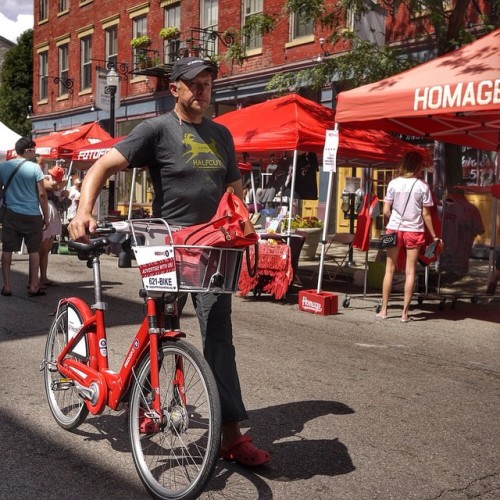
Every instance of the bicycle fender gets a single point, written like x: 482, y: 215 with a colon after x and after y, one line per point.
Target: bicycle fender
x: 81, y: 305
x: 172, y: 335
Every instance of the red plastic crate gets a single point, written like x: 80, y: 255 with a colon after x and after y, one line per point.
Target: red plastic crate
x: 322, y: 303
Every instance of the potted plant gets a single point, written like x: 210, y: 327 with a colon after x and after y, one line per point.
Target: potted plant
x: 170, y: 32
x: 140, y: 41
x: 310, y: 227
x: 144, y: 61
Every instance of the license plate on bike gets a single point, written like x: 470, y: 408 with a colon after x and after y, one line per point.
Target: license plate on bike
x: 157, y: 268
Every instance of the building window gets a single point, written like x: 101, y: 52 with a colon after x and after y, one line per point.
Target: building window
x: 139, y: 28
x: 172, y: 17
x: 86, y: 62
x: 111, y: 55
x: 63, y: 69
x: 253, y: 7
x: 43, y: 72
x: 43, y: 10
x: 210, y: 14
x: 301, y: 27
x: 62, y: 6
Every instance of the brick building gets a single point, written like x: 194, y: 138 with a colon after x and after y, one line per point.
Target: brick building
x: 77, y: 41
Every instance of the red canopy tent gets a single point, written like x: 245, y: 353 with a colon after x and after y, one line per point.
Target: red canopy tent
x: 454, y: 98
x: 60, y: 144
x: 83, y: 157
x: 292, y: 123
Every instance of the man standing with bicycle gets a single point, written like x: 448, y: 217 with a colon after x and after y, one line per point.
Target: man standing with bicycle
x: 191, y: 162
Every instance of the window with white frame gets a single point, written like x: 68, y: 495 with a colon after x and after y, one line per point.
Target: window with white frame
x: 253, y: 7
x: 63, y: 69
x: 139, y: 28
x: 85, y: 62
x: 43, y: 73
x: 43, y: 10
x: 301, y: 27
x: 210, y: 14
x: 209, y: 23
x: 172, y: 18
x: 111, y: 36
x: 62, y: 5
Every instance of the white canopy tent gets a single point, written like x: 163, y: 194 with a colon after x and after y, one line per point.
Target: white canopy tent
x: 8, y: 140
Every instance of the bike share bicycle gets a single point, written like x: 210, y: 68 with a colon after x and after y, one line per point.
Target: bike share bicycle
x: 174, y: 417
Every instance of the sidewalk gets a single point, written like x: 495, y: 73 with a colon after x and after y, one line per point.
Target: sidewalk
x: 350, y: 277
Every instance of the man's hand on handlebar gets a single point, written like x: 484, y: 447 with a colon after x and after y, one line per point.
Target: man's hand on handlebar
x: 81, y: 227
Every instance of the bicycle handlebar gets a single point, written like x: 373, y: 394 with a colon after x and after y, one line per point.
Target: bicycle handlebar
x: 97, y: 243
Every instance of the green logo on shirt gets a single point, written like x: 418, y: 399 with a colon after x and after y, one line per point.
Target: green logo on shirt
x: 196, y: 148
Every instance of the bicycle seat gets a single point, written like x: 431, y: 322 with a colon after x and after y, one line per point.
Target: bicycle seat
x: 95, y: 246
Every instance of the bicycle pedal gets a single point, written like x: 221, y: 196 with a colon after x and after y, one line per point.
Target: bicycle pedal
x: 63, y: 384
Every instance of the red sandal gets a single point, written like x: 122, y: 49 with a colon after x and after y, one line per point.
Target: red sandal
x: 243, y: 452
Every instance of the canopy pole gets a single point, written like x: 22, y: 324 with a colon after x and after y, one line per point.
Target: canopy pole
x: 132, y: 187
x: 292, y: 191
x: 326, y: 222
x: 68, y: 182
x: 325, y: 230
x: 254, y: 192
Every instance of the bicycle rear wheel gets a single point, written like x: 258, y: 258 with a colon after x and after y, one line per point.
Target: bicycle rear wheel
x: 67, y: 407
x: 176, y: 458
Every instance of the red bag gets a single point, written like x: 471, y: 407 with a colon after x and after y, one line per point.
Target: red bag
x: 229, y: 227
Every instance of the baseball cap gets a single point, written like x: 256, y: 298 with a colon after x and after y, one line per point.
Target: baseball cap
x: 57, y: 173
x: 189, y: 67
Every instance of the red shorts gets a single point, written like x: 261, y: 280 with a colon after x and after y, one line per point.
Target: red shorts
x: 408, y: 239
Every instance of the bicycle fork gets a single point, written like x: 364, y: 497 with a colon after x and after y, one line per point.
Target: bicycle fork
x: 171, y: 330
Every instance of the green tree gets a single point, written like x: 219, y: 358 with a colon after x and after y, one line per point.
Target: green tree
x: 368, y: 62
x: 16, y: 84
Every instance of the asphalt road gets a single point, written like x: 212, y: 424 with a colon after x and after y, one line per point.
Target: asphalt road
x: 349, y: 407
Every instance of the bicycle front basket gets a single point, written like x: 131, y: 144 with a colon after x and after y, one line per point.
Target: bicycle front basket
x: 208, y: 269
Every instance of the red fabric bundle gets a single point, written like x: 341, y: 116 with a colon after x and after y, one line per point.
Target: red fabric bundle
x: 229, y: 227
x: 274, y: 271
x: 361, y: 239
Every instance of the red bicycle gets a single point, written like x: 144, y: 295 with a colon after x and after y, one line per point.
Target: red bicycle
x: 174, y: 417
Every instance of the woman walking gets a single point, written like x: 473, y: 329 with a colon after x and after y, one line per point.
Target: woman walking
x: 406, y: 206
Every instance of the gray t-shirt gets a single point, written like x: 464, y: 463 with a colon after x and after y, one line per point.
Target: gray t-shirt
x: 189, y: 164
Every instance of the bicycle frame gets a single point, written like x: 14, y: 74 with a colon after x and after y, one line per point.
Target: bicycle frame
x: 100, y: 386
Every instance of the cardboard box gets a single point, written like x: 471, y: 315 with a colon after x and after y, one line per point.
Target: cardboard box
x: 322, y: 303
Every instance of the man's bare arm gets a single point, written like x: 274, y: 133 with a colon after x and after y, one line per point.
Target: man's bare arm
x: 108, y: 165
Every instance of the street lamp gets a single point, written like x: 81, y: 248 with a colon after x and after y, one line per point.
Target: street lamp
x: 112, y: 80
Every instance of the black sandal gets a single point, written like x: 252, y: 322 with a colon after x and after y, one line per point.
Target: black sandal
x: 5, y: 293
x: 38, y: 293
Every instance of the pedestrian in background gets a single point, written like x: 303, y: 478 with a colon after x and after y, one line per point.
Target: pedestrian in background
x: 74, y: 198
x: 406, y: 207
x: 25, y: 197
x: 54, y: 184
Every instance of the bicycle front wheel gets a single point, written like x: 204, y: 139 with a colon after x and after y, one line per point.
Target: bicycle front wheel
x: 67, y: 407
x: 175, y: 454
